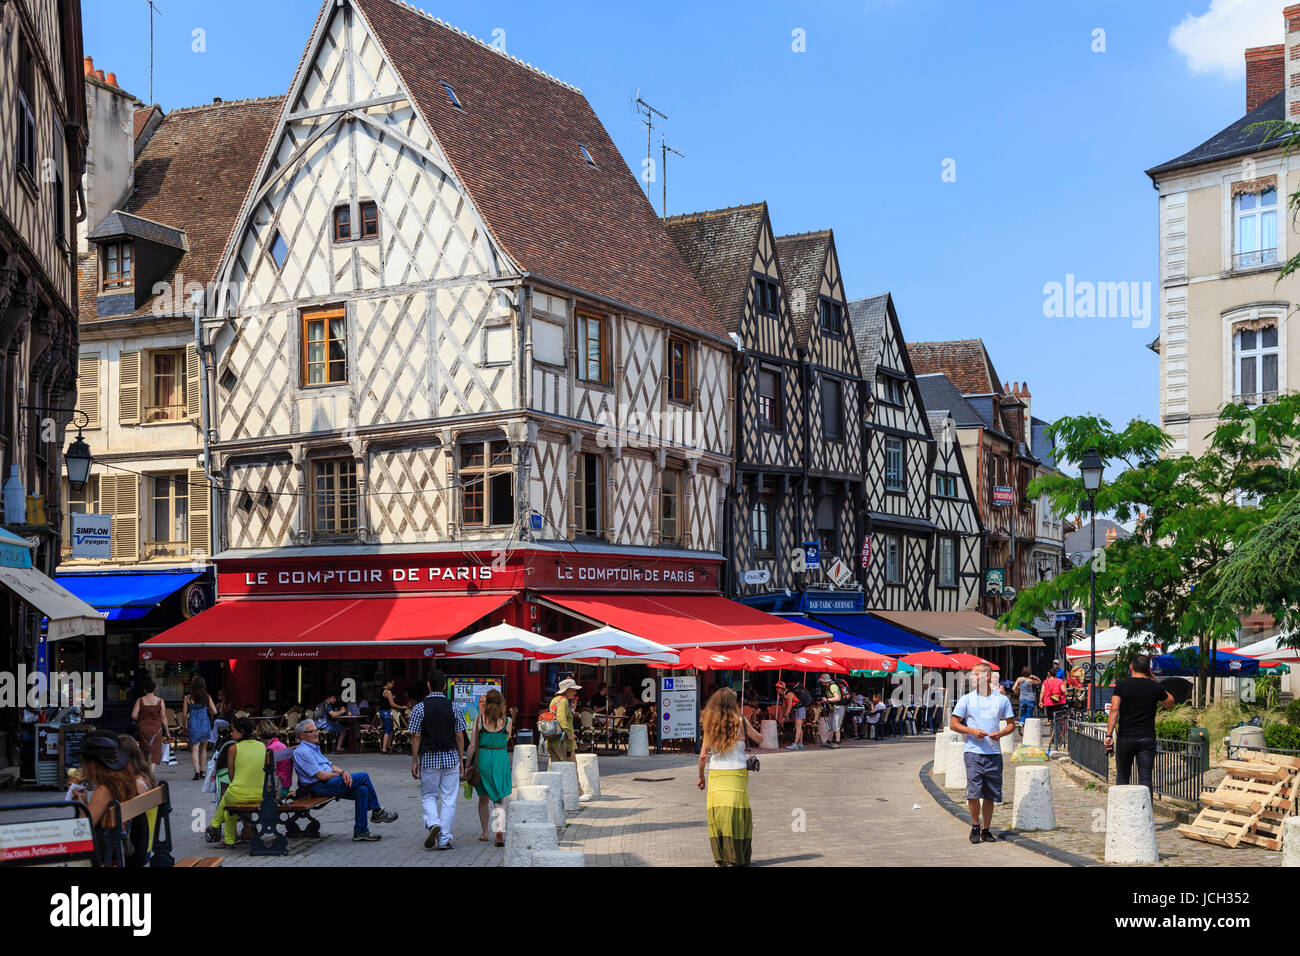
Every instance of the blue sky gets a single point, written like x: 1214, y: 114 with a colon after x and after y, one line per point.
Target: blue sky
x: 1048, y: 138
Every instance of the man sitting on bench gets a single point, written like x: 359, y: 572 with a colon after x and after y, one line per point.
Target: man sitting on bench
x: 317, y: 777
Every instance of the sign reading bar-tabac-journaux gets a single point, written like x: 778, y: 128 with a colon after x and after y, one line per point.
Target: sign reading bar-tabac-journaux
x: 463, y: 571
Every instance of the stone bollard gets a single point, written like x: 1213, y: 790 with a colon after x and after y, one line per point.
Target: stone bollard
x: 519, y: 812
x: 949, y: 742
x: 638, y: 741
x: 1291, y: 841
x: 524, y: 840
x: 568, y: 771
x: 523, y: 764
x: 559, y: 858
x: 770, y: 739
x: 1034, y: 809
x: 1008, y: 744
x: 552, y: 779
x: 1033, y: 736
x: 954, y: 776
x: 547, y: 795
x: 1130, y: 826
x: 589, y: 775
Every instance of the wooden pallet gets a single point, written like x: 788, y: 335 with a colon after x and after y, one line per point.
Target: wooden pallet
x: 1250, y: 804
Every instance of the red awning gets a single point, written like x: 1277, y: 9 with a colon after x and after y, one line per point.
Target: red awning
x: 689, y: 620
x: 324, y: 629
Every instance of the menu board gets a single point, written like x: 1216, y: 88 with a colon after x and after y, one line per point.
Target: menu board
x: 467, y: 690
x: 58, y: 748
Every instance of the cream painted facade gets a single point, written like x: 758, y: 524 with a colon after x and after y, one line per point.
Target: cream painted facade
x: 1206, y: 299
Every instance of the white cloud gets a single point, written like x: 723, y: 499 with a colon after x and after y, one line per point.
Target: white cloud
x: 1216, y: 41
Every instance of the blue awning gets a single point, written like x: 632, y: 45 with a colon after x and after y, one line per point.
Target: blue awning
x: 127, y: 595
x: 864, y: 627
x: 844, y: 637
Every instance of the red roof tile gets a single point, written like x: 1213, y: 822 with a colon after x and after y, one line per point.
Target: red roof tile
x: 966, y: 362
x: 515, y: 147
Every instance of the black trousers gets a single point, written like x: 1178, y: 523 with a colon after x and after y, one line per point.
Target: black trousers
x: 1127, y: 749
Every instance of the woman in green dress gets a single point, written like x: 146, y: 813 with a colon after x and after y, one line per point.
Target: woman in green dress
x: 247, y: 763
x: 487, y: 751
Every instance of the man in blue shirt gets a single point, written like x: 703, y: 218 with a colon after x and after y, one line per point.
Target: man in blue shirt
x: 317, y: 777
x: 978, y: 715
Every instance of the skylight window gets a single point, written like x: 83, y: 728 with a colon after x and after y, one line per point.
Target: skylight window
x: 451, y: 95
x: 587, y: 156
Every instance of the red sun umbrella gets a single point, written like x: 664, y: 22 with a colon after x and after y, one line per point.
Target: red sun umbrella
x: 933, y: 660
x: 806, y: 662
x: 968, y: 661
x: 705, y: 660
x: 860, y: 658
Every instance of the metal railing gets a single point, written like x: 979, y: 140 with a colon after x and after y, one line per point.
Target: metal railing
x: 1086, y: 744
x: 1258, y: 257
x: 1180, y: 768
x: 1232, y: 749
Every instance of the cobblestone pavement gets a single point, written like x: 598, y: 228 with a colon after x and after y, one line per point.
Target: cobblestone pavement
x: 1080, y: 825
x: 861, y: 804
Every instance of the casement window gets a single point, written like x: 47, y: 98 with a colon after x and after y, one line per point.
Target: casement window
x: 1024, y: 475
x: 895, y: 478
x: 451, y: 95
x: 769, y: 398
x: 593, y: 349
x: 342, y: 223
x: 88, y: 388
x: 165, y: 386
x: 586, y: 155
x: 827, y: 509
x: 889, y: 389
x: 169, y: 515
x: 60, y: 191
x: 83, y: 502
x: 25, y: 119
x: 893, y: 559
x: 369, y: 220
x: 760, y: 524
x: 832, y: 317
x: 1254, y: 362
x: 670, y: 508
x: 324, y: 346
x: 767, y: 297
x: 334, y: 497
x: 832, y: 410
x: 679, y: 370
x: 947, y: 562
x: 587, y: 510
x: 945, y: 486
x: 487, y: 485
x: 119, y: 269
x: 1255, y: 216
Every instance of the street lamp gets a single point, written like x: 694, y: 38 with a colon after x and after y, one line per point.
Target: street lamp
x: 1091, y: 468
x: 77, y: 461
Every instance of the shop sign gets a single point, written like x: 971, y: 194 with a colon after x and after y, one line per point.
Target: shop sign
x: 91, y: 535
x: 812, y: 556
x: 468, y: 691
x: 757, y: 576
x: 1002, y: 495
x: 45, y: 839
x: 839, y: 572
x: 866, y: 551
x: 14, y: 554
x: 995, y: 580
x: 677, y: 705
x: 824, y: 603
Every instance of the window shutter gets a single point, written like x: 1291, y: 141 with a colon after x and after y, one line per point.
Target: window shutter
x: 128, y: 395
x: 193, y: 383
x: 88, y: 388
x: 199, y: 503
x: 126, y: 518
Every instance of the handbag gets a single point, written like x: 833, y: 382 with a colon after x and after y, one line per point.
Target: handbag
x: 167, y: 757
x: 472, y: 776
x: 210, y: 777
x: 751, y: 764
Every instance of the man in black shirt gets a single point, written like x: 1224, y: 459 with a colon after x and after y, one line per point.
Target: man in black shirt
x: 1133, y: 708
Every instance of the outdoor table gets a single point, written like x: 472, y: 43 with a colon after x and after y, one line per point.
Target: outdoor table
x: 354, y: 732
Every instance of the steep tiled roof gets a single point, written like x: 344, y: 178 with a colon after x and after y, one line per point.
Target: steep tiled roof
x: 939, y: 394
x: 192, y: 176
x: 965, y: 361
x: 803, y: 259
x: 140, y: 119
x: 120, y: 223
x: 868, y: 318
x: 719, y: 246
x: 1237, y: 139
x: 514, y: 144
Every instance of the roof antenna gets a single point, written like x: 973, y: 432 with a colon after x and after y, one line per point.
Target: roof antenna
x: 153, y: 8
x: 666, y: 149
x: 649, y: 112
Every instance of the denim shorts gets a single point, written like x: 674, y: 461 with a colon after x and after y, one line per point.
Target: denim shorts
x: 800, y: 713
x: 983, y: 776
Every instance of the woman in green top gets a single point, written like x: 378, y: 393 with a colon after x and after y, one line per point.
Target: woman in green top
x: 247, y: 763
x: 487, y: 751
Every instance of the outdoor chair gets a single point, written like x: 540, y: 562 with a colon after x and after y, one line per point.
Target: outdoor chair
x: 894, y: 721
x: 907, y: 721
x: 587, y: 730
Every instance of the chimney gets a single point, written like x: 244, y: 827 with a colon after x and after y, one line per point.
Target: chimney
x: 99, y: 75
x: 1111, y: 535
x: 1265, y: 73
x: 1291, y: 67
x: 111, y: 79
x: 88, y: 65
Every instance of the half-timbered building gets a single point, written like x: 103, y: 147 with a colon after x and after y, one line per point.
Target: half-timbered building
x: 958, y: 535
x: 833, y: 394
x: 460, y: 370
x: 897, y: 450
x: 733, y: 254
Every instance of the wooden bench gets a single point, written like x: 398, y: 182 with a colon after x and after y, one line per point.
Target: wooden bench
x: 266, y: 818
x: 120, y: 814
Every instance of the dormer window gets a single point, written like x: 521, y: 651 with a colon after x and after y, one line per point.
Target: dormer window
x: 587, y: 156
x: 451, y: 96
x: 832, y: 317
x: 119, y: 270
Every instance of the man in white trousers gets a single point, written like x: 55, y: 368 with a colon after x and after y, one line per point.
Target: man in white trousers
x: 437, y: 756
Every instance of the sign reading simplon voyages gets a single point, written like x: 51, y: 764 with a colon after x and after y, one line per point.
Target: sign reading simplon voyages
x: 92, y: 535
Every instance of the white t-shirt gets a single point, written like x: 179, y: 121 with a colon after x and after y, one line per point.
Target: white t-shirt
x: 733, y: 759
x: 986, y: 712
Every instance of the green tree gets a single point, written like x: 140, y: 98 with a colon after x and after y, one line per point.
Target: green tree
x: 1188, y: 518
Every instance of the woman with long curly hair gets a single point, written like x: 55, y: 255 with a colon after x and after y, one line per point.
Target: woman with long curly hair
x: 731, y: 822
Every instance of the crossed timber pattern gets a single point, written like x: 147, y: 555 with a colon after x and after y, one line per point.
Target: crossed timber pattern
x: 548, y: 485
x: 407, y: 501
x: 633, y: 501
x: 267, y: 523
